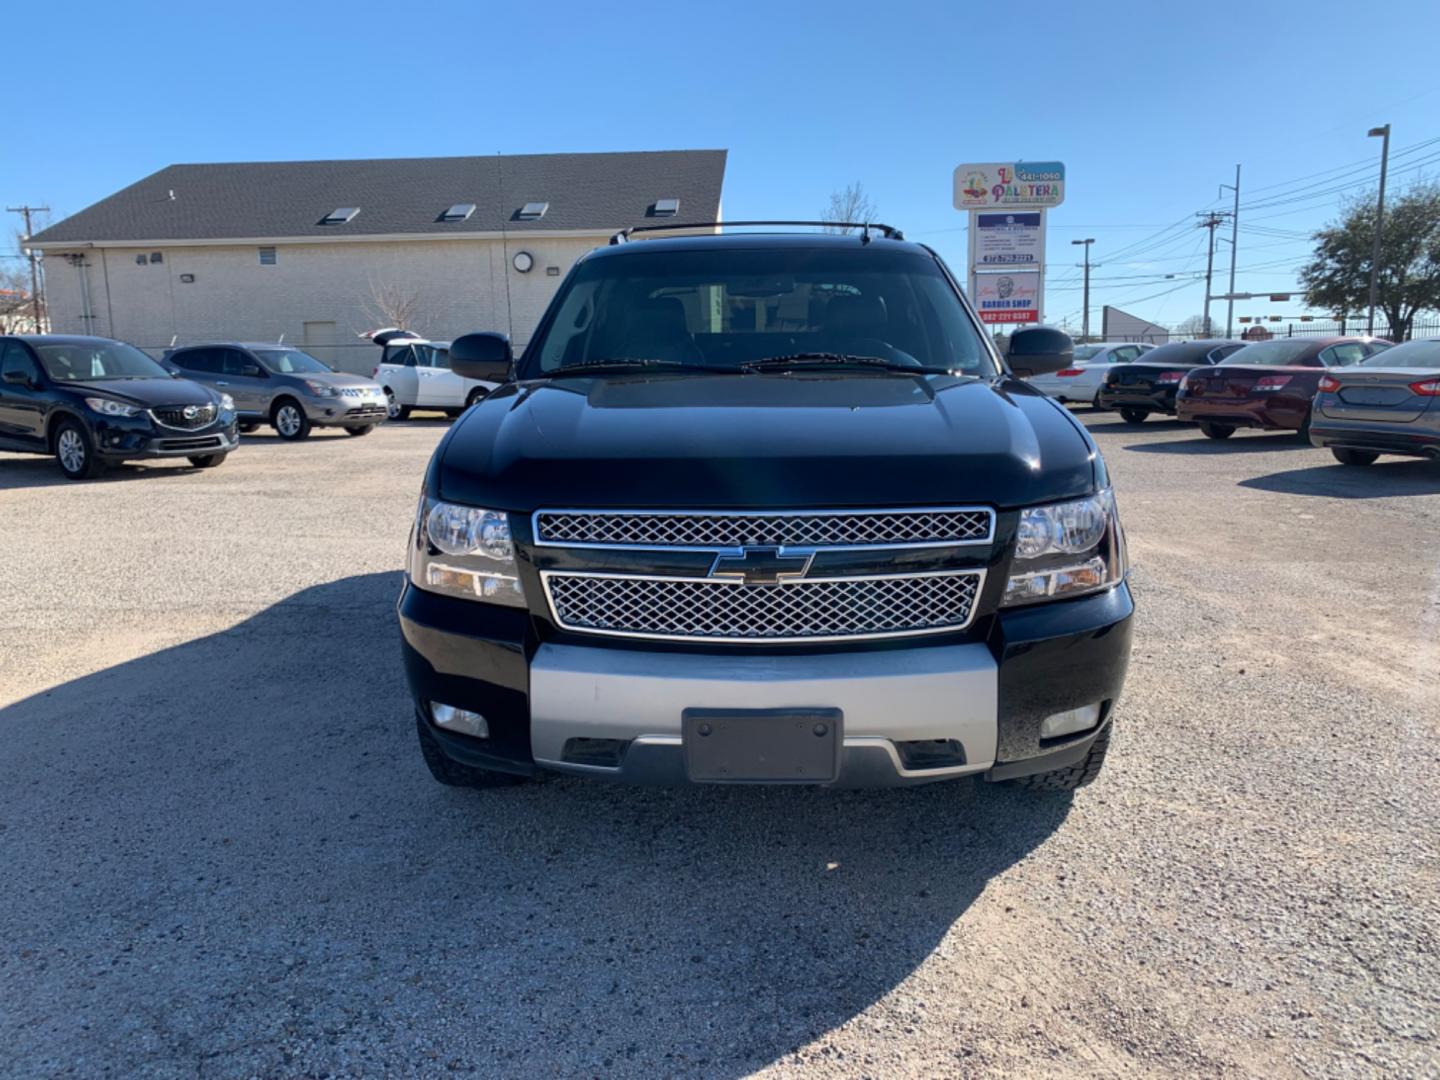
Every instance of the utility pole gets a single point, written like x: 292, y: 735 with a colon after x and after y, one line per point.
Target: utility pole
x: 1384, y: 133
x: 1209, y: 221
x: 1234, y: 247
x: 26, y: 211
x: 1085, y: 319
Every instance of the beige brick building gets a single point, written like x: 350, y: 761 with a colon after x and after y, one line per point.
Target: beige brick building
x: 256, y: 251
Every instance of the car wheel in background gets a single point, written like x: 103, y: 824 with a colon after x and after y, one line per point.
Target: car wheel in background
x: 249, y: 428
x: 1095, y: 402
x: 1134, y: 416
x: 289, y: 420
x: 394, y: 408
x: 1354, y: 457
x: 1078, y: 775
x: 207, y: 461
x: 75, y: 451
x: 478, y: 394
x: 1216, y: 431
x: 358, y: 431
x: 451, y: 772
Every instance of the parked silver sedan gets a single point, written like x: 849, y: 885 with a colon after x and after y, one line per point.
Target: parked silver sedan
x: 1383, y: 405
x: 1080, y: 383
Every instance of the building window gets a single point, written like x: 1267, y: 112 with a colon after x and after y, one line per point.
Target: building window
x: 140, y: 260
x: 156, y: 257
x: 267, y: 256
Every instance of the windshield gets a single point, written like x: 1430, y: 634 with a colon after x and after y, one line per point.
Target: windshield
x: 91, y: 360
x: 290, y: 361
x: 1269, y: 353
x: 1423, y: 354
x: 724, y: 309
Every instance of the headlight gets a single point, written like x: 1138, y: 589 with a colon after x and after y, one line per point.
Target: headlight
x: 227, y: 403
x: 1066, y: 549
x: 464, y: 551
x: 110, y: 407
x: 320, y: 389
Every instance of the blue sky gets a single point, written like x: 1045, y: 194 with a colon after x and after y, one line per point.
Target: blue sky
x: 1150, y: 106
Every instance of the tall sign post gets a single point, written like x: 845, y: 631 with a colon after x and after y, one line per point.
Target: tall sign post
x: 1007, y: 204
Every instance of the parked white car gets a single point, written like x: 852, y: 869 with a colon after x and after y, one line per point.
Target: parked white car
x: 1080, y: 382
x: 415, y: 374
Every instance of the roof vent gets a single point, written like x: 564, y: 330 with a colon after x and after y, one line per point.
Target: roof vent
x: 666, y: 207
x: 340, y: 215
x: 459, y: 212
x: 533, y: 211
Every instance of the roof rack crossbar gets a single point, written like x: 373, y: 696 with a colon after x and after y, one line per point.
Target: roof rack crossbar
x: 888, y: 231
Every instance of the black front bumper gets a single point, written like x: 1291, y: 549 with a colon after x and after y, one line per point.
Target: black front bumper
x: 121, y: 440
x: 1159, y: 399
x: 1049, y: 658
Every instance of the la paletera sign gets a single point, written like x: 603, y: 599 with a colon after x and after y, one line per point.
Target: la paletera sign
x: 1009, y: 185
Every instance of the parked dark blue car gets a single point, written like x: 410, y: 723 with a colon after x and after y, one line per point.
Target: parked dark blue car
x: 93, y: 402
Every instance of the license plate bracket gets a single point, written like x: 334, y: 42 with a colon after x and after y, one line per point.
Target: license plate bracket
x: 762, y: 746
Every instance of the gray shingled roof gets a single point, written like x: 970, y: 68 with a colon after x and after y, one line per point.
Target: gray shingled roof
x: 399, y: 195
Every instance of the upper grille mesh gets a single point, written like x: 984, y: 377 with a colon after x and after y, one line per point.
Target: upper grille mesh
x: 721, y: 611
x: 664, y: 530
x: 174, y: 416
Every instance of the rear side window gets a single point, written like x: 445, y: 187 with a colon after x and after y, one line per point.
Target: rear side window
x: 397, y: 354
x: 14, y: 357
x: 1351, y: 352
x: 1216, y: 355
x: 202, y: 360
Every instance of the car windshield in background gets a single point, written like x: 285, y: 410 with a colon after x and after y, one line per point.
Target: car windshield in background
x: 1269, y: 353
x: 290, y: 362
x: 726, y: 309
x: 1086, y: 352
x: 89, y: 361
x: 1420, y: 354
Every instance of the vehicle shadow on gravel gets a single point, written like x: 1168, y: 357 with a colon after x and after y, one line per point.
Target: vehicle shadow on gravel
x: 1387, y: 478
x: 1117, y: 427
x: 38, y: 472
x: 229, y: 855
x: 1239, y: 443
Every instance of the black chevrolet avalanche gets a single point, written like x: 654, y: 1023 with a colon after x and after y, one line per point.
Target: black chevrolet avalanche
x: 765, y: 508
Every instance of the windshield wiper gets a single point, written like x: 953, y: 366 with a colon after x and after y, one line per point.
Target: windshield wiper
x: 828, y: 359
x: 632, y: 363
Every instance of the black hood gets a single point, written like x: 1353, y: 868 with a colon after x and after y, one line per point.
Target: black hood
x: 757, y: 441
x: 146, y: 392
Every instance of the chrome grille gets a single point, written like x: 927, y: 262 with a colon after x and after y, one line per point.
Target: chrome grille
x: 173, y: 416
x: 701, y: 609
x: 822, y: 529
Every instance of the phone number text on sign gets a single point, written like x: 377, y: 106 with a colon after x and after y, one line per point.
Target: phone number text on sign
x: 1012, y: 239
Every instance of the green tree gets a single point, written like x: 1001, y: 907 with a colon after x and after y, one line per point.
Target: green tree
x: 1337, y: 278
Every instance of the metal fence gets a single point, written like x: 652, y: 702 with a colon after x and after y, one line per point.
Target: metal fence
x: 1264, y: 331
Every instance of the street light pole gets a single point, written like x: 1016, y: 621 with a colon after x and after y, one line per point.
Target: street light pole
x: 1085, y: 318
x: 1383, y: 133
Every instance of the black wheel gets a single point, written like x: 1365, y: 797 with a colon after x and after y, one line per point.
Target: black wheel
x: 207, y: 461
x: 248, y: 428
x: 289, y: 420
x: 450, y: 772
x: 1078, y: 775
x: 1216, y: 431
x: 1354, y: 457
x: 478, y: 394
x: 394, y: 408
x: 1133, y: 415
x: 75, y: 450
x: 358, y: 431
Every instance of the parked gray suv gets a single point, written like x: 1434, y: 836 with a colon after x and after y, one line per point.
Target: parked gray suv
x: 282, y: 386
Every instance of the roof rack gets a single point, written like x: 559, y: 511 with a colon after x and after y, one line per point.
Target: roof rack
x: 888, y: 231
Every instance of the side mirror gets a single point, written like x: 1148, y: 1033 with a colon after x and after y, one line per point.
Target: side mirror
x: 481, y: 356
x: 19, y: 378
x: 1039, y: 350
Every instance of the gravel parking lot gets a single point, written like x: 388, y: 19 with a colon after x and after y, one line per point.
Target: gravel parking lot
x: 222, y: 855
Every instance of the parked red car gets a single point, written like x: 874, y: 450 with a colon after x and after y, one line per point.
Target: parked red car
x: 1267, y: 384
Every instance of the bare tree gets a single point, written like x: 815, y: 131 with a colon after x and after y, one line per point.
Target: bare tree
x: 851, y: 204
x: 393, y: 305
x: 1194, y: 326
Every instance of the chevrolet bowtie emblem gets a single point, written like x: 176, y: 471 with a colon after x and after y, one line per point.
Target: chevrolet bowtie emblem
x: 762, y: 565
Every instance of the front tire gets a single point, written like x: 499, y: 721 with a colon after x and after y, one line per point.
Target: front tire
x: 75, y: 451
x: 289, y: 420
x: 394, y: 408
x: 450, y: 772
x: 207, y: 461
x: 1134, y: 416
x: 1078, y: 775
x: 358, y: 431
x: 475, y: 395
x: 1354, y: 457
x: 1215, y: 431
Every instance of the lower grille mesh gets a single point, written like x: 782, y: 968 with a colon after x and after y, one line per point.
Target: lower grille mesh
x: 702, y: 610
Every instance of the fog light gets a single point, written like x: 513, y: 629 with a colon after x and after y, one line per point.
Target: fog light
x: 453, y: 719
x: 1070, y: 721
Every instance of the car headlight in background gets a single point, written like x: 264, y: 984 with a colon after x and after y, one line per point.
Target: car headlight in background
x: 227, y: 403
x: 320, y: 389
x: 110, y: 407
x: 1066, y: 549
x: 464, y: 551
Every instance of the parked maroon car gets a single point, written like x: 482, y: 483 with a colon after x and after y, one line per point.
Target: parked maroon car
x: 1268, y: 384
